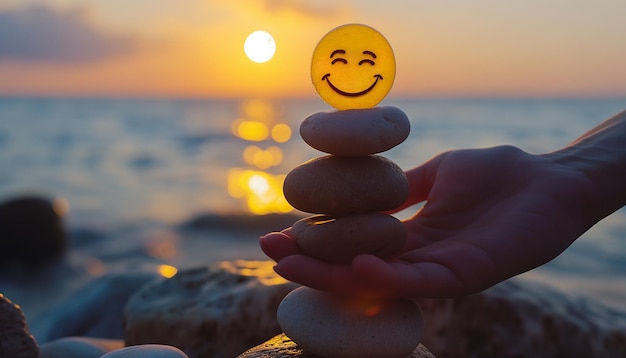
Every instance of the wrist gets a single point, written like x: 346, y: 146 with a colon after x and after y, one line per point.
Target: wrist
x: 600, y: 155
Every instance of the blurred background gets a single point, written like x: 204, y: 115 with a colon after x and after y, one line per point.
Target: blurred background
x: 158, y: 142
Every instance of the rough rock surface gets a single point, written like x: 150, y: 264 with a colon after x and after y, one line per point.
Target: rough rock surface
x: 31, y: 232
x: 518, y: 318
x: 344, y: 185
x: 281, y: 346
x: 356, y: 132
x: 340, y: 239
x: 209, y: 312
x: 15, y: 339
x: 345, y: 327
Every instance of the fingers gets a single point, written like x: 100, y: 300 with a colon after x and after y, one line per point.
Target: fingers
x: 278, y: 245
x: 325, y: 276
x: 368, y: 274
x: 411, y: 280
x: 421, y: 180
x: 315, y: 273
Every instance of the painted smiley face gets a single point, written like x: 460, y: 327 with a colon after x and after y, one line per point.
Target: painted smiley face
x: 353, y: 67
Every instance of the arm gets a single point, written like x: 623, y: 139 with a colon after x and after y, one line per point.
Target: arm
x: 600, y: 154
x: 490, y: 214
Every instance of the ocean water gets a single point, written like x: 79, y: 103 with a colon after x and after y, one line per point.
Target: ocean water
x: 135, y: 175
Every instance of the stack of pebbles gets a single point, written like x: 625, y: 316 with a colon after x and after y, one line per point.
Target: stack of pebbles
x: 348, y: 190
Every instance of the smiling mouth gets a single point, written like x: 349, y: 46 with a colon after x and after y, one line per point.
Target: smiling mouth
x: 351, y: 94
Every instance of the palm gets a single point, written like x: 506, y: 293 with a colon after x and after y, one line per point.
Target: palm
x: 489, y: 214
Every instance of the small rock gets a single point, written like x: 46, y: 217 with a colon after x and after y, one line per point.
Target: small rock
x: 356, y: 132
x: 94, y: 310
x: 31, y: 232
x: 15, y: 339
x: 147, y: 351
x: 282, y: 347
x: 340, y: 239
x: 209, y: 312
x: 345, y: 327
x: 345, y: 185
x: 79, y: 347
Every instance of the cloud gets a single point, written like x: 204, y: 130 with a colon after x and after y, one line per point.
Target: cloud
x: 40, y: 33
x: 315, y: 9
x: 309, y: 8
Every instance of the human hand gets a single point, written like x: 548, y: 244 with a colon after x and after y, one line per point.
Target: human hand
x: 490, y: 214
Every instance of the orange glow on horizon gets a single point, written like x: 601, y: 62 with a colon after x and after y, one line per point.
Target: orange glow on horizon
x: 482, y: 49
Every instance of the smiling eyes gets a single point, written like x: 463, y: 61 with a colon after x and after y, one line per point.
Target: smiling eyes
x: 343, y: 60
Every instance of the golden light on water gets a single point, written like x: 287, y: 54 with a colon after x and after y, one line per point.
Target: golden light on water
x: 263, y: 192
x: 167, y: 271
x: 281, y: 133
x: 262, y: 270
x: 262, y: 159
x: 257, y: 110
x: 253, y: 131
x: 257, y: 131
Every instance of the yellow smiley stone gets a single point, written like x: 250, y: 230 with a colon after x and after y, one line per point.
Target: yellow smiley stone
x: 353, y: 67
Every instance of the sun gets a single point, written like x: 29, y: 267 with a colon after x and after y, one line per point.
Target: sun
x: 259, y: 46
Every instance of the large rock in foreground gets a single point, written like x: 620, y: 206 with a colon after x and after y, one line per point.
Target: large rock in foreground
x: 282, y: 347
x: 518, y: 318
x: 223, y: 311
x: 209, y: 312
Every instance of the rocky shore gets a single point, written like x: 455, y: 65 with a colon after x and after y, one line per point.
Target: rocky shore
x: 229, y: 308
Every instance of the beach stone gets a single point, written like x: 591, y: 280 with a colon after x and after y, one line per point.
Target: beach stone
x: 15, y: 339
x: 282, y: 346
x: 345, y: 185
x: 340, y: 239
x: 79, y: 347
x: 345, y: 327
x: 31, y: 232
x: 147, y: 351
x: 217, y: 311
x: 356, y: 132
x: 95, y: 309
x: 521, y: 318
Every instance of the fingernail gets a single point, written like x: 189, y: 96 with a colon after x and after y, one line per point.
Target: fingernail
x: 277, y: 270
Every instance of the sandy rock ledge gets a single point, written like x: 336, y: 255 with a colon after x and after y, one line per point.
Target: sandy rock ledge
x: 281, y: 346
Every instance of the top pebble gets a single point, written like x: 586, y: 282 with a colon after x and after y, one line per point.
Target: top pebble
x: 356, y: 132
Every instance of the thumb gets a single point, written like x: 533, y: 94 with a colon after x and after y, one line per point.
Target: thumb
x: 421, y: 180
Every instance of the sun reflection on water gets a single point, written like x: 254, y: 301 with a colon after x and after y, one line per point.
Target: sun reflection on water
x: 262, y: 159
x: 262, y: 270
x: 260, y: 190
x: 167, y: 271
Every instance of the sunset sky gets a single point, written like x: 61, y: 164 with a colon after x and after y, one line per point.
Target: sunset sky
x: 194, y: 48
